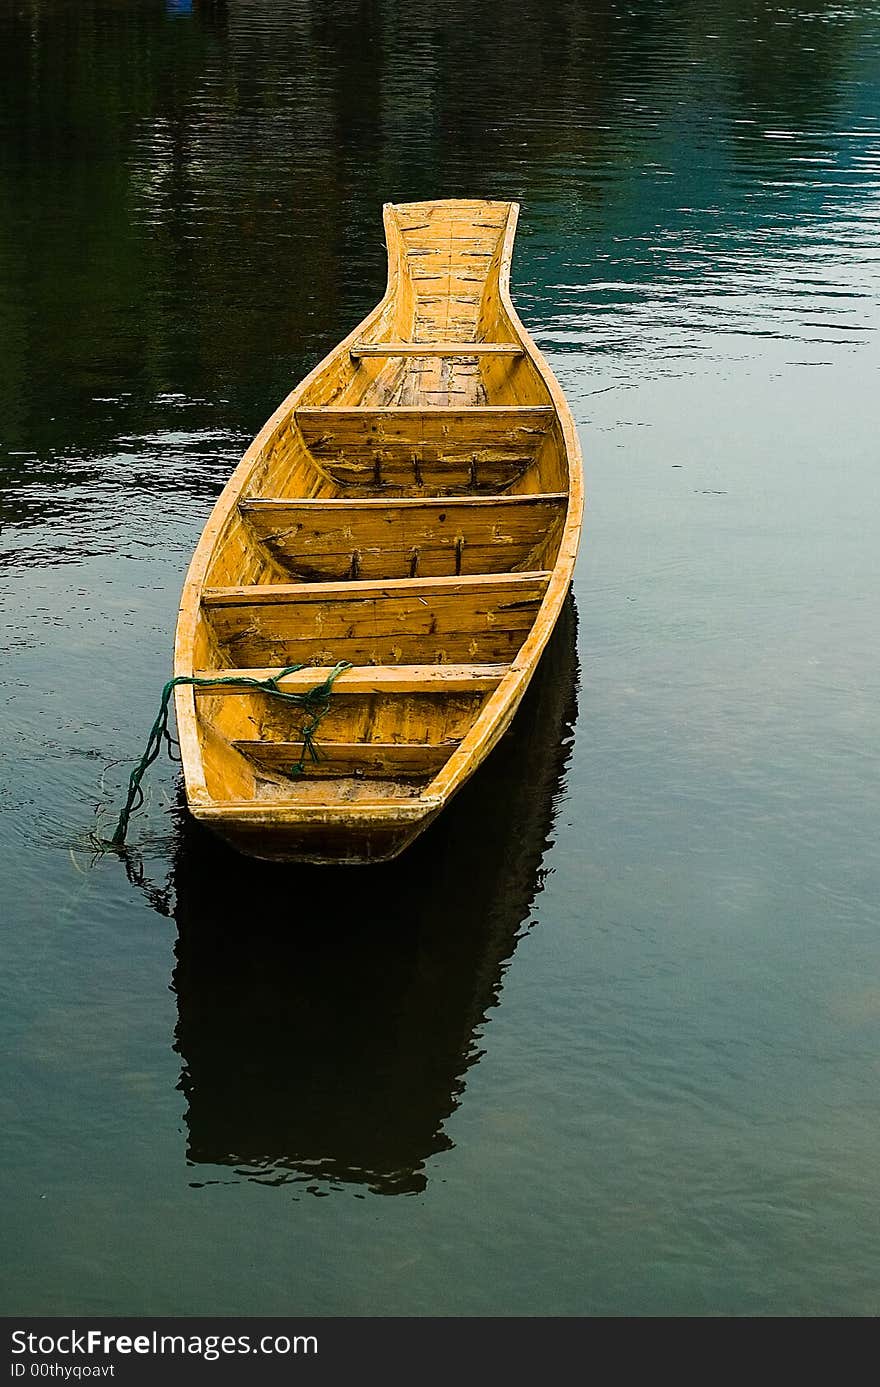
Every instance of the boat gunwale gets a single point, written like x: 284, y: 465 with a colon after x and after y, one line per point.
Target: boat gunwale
x: 501, y: 705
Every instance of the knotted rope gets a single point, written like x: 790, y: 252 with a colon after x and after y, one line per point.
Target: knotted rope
x: 314, y: 702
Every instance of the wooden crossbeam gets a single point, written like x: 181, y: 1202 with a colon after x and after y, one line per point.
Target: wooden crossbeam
x: 372, y: 760
x: 363, y: 680
x: 367, y: 349
x: 480, y: 618
x: 409, y: 589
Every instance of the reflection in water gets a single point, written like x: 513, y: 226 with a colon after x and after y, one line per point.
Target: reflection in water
x: 327, y: 1018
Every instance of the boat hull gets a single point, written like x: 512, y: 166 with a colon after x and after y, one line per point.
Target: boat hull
x: 411, y: 510
x: 320, y: 844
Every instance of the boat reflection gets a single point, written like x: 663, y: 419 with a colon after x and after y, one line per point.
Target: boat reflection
x: 328, y: 1017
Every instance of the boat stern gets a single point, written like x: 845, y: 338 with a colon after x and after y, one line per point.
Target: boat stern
x: 327, y: 835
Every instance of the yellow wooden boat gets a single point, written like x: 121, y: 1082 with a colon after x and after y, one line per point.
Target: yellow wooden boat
x: 413, y: 509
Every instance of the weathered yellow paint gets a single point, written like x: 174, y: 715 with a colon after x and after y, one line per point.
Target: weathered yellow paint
x: 414, y: 506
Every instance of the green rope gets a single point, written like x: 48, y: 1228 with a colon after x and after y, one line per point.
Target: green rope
x: 315, y: 703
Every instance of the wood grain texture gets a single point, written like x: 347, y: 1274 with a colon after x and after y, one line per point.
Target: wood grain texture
x: 365, y: 760
x: 483, y: 618
x: 439, y: 431
x: 464, y: 350
x: 405, y: 537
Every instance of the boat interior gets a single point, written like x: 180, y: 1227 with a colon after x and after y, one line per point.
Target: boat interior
x: 402, y: 511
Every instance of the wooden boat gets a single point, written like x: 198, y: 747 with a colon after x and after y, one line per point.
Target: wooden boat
x: 412, y: 508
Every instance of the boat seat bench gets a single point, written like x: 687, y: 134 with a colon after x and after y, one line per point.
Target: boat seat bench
x: 369, y: 760
x: 360, y: 681
x: 481, y: 617
x: 405, y: 536
x: 493, y: 430
x: 474, y: 585
x: 434, y: 349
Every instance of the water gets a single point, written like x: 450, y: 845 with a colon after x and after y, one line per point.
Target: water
x: 606, y: 1042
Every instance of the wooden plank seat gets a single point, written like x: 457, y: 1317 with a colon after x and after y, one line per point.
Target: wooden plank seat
x: 451, y: 431
x: 360, y: 681
x: 431, y: 349
x: 480, y: 618
x: 404, y: 537
x: 362, y: 760
x: 476, y: 447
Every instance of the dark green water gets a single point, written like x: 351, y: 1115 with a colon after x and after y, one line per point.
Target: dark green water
x: 607, y: 1042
